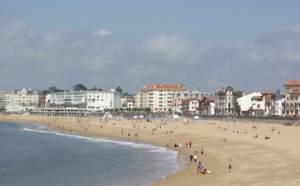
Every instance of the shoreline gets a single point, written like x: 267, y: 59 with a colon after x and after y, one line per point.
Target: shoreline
x: 256, y: 161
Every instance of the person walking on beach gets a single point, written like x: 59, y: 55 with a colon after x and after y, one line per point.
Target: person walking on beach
x: 230, y: 165
x: 191, y: 157
x: 190, y: 144
x: 199, y: 167
x: 202, y: 151
x: 195, y: 158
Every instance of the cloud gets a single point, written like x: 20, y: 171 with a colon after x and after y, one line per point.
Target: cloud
x: 102, y: 33
x: 169, y: 48
x: 65, y: 58
x: 286, y: 38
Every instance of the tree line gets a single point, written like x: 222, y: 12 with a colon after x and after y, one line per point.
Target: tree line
x: 77, y: 87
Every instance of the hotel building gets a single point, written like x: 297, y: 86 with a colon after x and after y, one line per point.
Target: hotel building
x: 89, y: 100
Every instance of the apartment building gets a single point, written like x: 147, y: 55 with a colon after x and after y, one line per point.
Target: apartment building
x: 22, y: 100
x: 89, y: 100
x: 225, y: 100
x: 292, y: 98
x: 158, y: 97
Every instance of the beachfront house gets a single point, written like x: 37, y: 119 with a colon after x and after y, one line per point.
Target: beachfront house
x: 256, y: 103
x: 277, y: 103
x: 292, y: 98
x: 207, y: 106
x: 190, y: 105
x: 128, y: 103
x: 245, y: 103
x: 225, y: 100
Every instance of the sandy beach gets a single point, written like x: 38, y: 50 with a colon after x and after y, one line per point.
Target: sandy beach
x: 255, y: 160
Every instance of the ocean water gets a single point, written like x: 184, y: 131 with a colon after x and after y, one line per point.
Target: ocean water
x: 36, y: 155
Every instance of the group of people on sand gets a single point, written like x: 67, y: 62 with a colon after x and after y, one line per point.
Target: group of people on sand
x: 201, y: 169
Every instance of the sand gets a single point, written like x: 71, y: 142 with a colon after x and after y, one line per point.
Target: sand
x: 255, y: 161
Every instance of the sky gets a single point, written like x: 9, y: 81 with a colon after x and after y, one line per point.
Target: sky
x: 203, y: 45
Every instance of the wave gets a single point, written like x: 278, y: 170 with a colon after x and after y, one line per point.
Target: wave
x: 148, y: 147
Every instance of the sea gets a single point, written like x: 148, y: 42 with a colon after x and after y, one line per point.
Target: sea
x: 36, y: 155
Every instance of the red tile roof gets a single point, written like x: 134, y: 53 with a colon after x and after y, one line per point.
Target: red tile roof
x: 211, y: 99
x: 221, y: 91
x: 267, y: 92
x: 256, y: 97
x: 189, y: 99
x: 129, y: 99
x: 163, y: 87
x: 292, y: 83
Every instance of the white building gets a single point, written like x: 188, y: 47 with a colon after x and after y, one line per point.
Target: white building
x: 190, y: 105
x: 245, y: 102
x: 157, y: 97
x: 22, y: 100
x: 90, y: 100
x: 128, y: 103
x: 277, y: 103
x: 212, y: 108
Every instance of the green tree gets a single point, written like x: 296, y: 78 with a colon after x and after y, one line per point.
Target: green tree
x: 119, y: 89
x: 45, y: 92
x: 237, y: 107
x: 53, y: 89
x: 79, y: 87
x: 148, y: 110
x: 239, y: 93
x: 95, y: 88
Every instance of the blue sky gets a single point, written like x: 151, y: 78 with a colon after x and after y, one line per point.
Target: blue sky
x: 204, y: 45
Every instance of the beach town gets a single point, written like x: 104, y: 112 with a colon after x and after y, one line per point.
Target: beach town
x: 257, y: 146
x: 139, y: 93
